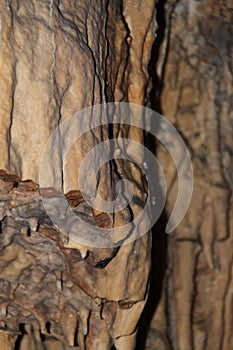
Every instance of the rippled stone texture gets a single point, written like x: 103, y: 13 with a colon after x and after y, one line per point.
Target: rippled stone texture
x: 58, y: 57
x: 195, y: 71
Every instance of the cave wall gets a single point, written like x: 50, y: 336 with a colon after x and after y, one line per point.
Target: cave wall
x: 56, y: 58
x: 194, y: 73
x: 51, y: 66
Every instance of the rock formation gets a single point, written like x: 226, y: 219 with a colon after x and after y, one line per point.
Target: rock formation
x: 56, y: 58
x: 194, y: 69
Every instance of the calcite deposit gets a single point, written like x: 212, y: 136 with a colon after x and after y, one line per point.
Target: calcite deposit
x: 195, y: 71
x: 56, y: 58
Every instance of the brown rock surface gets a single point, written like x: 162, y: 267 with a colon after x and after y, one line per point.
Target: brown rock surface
x: 43, y: 284
x: 195, y: 72
x: 56, y: 58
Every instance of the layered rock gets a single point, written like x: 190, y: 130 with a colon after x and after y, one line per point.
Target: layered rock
x: 56, y: 58
x: 195, y: 69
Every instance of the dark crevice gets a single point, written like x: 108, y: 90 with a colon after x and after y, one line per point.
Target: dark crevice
x: 76, y: 334
x: 28, y: 232
x: 20, y: 337
x: 158, y: 269
x: 107, y: 94
x: 48, y: 327
x: 157, y: 83
x: 159, y: 237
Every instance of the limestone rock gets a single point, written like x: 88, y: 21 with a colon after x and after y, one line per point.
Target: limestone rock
x: 194, y: 68
x: 57, y: 58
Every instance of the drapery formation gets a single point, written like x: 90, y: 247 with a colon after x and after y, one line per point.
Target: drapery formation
x: 56, y: 58
x: 194, y: 74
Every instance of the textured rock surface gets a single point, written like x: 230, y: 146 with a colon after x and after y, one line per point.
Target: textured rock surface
x: 42, y: 280
x: 58, y: 57
x: 52, y: 66
x: 196, y: 74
